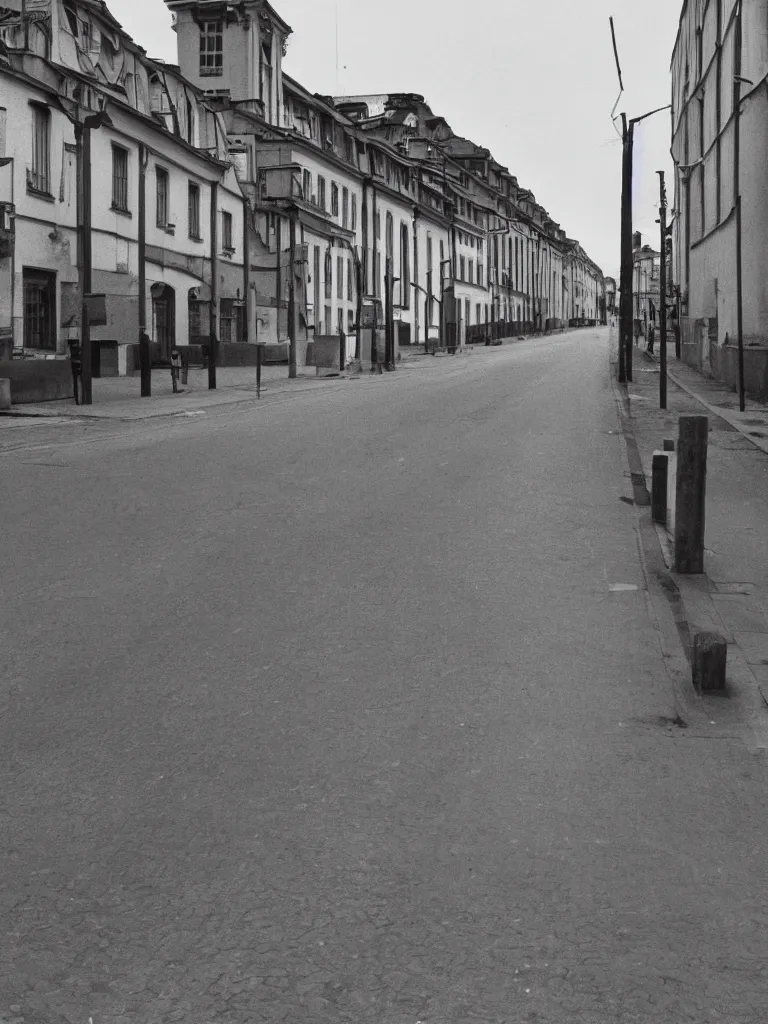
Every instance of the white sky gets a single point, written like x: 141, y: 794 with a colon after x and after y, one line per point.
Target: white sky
x: 534, y: 82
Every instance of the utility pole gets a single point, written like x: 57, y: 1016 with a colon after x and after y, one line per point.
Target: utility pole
x: 292, y: 298
x: 83, y: 141
x: 144, y: 351
x: 388, y: 346
x: 737, y: 80
x: 663, y: 290
x: 625, y: 304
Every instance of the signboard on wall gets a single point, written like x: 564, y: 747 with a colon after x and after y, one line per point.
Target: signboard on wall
x: 96, y: 304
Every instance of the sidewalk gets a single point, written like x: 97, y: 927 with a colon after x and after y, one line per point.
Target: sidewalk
x: 732, y: 595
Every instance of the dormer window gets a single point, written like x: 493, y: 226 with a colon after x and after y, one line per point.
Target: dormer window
x: 211, y: 49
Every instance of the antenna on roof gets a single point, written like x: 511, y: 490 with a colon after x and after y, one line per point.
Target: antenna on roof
x: 337, y: 50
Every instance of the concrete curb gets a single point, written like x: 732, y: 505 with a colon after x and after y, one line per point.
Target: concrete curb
x: 724, y: 414
x: 664, y: 601
x: 693, y: 609
x: 75, y: 412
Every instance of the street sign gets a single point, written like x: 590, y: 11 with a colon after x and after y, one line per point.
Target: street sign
x: 96, y: 304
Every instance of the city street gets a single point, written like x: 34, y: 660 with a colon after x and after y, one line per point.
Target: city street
x: 352, y: 705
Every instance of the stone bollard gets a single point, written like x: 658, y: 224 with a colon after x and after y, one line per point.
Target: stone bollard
x: 5, y: 394
x: 710, y: 651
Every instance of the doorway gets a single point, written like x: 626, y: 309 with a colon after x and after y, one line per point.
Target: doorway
x: 39, y: 309
x: 164, y: 316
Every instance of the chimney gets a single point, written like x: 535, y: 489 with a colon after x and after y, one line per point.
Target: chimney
x: 636, y: 240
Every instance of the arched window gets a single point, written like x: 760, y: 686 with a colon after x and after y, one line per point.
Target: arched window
x: 390, y: 236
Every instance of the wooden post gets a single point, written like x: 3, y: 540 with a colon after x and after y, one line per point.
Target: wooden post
x: 710, y: 652
x: 690, y: 498
x: 259, y: 351
x: 659, y: 475
x: 145, y: 365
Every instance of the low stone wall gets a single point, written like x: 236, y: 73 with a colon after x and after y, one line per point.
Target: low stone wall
x: 724, y: 366
x: 234, y: 354
x: 38, y: 380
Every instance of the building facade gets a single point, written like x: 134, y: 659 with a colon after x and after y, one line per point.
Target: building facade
x: 720, y: 149
x: 229, y: 202
x: 86, y: 113
x: 510, y: 263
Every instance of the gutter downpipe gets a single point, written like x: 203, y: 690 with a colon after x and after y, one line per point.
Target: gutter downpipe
x: 737, y: 189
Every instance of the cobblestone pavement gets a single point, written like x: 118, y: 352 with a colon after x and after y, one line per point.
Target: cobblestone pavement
x: 355, y: 709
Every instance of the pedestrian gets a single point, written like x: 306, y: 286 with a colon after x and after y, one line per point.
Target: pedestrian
x: 175, y: 369
x: 651, y: 331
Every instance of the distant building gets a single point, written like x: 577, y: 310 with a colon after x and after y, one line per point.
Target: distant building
x: 509, y: 262
x: 646, y: 285
x: 716, y: 42
x: 610, y: 296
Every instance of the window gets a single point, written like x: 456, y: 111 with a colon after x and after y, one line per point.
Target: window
x: 231, y: 321
x: 316, y: 289
x: 211, y: 49
x: 328, y: 278
x: 190, y: 122
x: 226, y: 231
x: 461, y: 268
x: 350, y: 281
x: 389, y: 241
x: 193, y: 210
x: 334, y: 199
x: 480, y: 274
x: 405, y: 266
x: 339, y: 277
x: 471, y: 271
x: 429, y: 279
x: 344, y: 207
x: 161, y: 177
x: 119, y: 178
x: 321, y: 191
x: 353, y: 223
x: 266, y: 75
x: 39, y: 176
x: 306, y: 186
x: 39, y: 309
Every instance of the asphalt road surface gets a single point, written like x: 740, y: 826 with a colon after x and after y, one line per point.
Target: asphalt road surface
x: 332, y: 710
